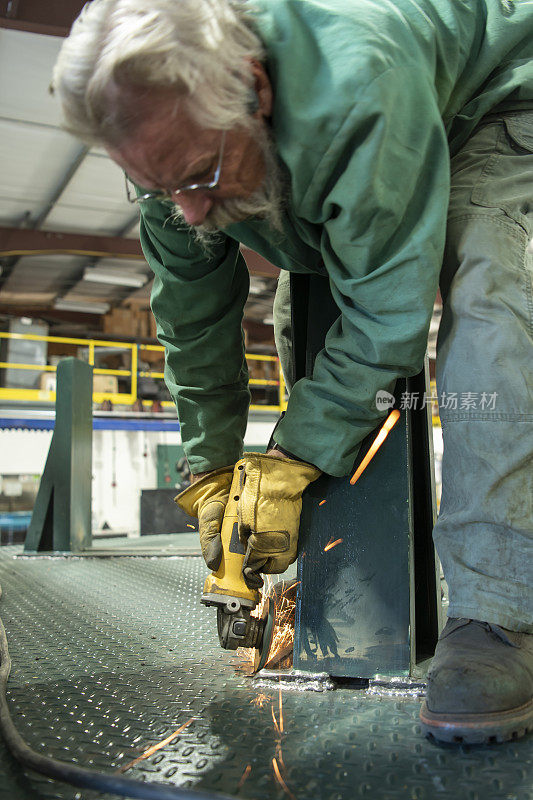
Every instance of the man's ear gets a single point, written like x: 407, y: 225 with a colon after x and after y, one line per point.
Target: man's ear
x: 262, y: 89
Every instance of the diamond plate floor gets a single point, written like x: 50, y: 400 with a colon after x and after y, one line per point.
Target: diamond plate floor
x: 111, y: 655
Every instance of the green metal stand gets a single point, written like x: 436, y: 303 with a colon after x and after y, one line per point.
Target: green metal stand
x: 61, y: 519
x: 369, y: 605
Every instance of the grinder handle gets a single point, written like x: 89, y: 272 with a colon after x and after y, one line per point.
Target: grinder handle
x: 228, y: 579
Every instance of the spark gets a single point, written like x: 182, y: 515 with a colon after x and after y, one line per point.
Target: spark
x: 280, y: 757
x: 275, y: 721
x: 283, y: 636
x: 155, y: 747
x: 331, y: 544
x: 280, y: 780
x: 191, y: 526
x: 279, y: 752
x: 387, y: 426
x: 260, y: 700
x: 321, y: 502
x: 284, y: 592
x: 244, y: 776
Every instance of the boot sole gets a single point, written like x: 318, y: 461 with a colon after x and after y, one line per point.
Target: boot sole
x: 500, y: 726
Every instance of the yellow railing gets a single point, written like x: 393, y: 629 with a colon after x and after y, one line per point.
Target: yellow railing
x: 434, y: 405
x: 91, y: 349
x: 277, y: 381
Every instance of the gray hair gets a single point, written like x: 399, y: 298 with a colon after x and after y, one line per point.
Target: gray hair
x: 197, y: 47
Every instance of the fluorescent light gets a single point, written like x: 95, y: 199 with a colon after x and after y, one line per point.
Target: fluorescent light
x: 133, y: 279
x: 84, y: 308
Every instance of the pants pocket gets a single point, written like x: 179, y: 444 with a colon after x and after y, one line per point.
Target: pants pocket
x: 519, y: 126
x: 506, y: 182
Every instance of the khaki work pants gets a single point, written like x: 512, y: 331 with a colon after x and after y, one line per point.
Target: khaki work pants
x: 484, y: 534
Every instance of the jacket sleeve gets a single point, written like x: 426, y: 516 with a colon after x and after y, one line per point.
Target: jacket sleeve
x: 198, y: 299
x: 382, y: 188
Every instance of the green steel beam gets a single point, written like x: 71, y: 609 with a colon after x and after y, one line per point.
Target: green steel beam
x: 369, y: 605
x: 61, y: 519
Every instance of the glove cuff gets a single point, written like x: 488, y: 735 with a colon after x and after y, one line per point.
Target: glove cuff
x: 293, y: 476
x: 217, y: 482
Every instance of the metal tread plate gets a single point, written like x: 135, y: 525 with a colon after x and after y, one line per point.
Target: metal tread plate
x: 111, y: 656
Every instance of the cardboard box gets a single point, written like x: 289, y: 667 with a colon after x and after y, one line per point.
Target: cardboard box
x: 47, y: 382
x: 105, y: 384
x: 154, y: 358
x: 128, y: 322
x: 142, y: 324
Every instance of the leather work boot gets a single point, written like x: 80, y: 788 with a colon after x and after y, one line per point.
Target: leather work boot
x: 480, y: 684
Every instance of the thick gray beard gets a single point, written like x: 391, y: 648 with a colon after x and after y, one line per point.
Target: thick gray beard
x: 266, y: 202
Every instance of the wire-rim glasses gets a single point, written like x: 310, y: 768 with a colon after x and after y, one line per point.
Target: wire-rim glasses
x: 168, y: 194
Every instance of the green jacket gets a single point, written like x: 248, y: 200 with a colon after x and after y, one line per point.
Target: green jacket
x: 370, y: 98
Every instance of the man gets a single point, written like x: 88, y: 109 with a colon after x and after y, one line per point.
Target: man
x: 381, y: 144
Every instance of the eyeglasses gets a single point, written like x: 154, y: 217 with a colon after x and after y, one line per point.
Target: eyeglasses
x: 167, y: 195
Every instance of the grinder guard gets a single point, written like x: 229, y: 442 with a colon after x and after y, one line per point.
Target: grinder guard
x: 241, y: 629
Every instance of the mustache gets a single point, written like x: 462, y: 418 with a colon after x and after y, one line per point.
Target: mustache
x: 261, y: 204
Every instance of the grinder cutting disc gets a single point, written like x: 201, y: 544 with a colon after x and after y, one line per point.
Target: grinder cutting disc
x: 267, y: 618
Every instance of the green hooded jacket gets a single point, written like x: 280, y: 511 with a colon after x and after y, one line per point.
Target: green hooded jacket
x: 370, y: 99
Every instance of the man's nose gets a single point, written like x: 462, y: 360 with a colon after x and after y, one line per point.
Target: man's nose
x: 194, y: 206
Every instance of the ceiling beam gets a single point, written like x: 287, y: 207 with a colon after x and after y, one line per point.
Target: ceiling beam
x: 53, y: 17
x: 49, y: 314
x: 257, y: 332
x: 19, y: 242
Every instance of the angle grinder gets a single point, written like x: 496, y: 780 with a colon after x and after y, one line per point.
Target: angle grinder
x: 228, y: 591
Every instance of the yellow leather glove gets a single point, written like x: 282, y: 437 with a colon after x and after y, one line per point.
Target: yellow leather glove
x: 207, y: 499
x: 268, y: 510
